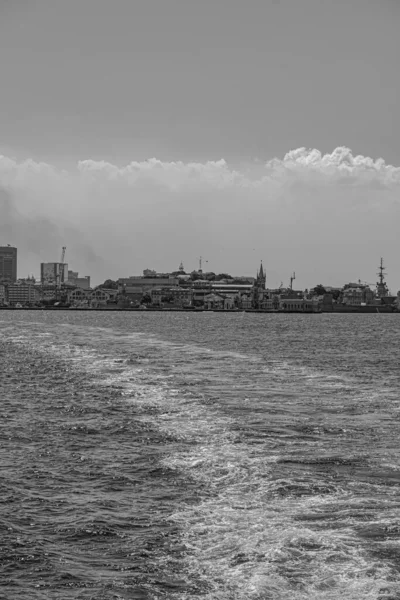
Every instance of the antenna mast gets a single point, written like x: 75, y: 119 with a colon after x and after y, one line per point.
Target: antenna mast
x: 381, y: 274
x: 381, y: 287
x: 293, y: 277
x: 200, y: 264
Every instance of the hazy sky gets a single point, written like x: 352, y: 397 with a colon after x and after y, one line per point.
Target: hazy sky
x: 143, y: 133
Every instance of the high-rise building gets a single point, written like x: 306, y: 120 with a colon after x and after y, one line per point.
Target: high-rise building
x: 53, y: 273
x: 8, y: 264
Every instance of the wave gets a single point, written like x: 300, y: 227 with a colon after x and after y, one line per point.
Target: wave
x: 277, y: 496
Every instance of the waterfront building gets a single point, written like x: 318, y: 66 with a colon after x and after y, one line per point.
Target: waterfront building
x: 80, y: 282
x: 172, y: 296
x: 8, y: 264
x: 100, y: 297
x: 200, y: 289
x: 299, y: 305
x: 156, y: 295
x: 136, y: 286
x: 245, y: 301
x: 182, y: 296
x: 270, y: 302
x: 22, y: 293
x: 2, y: 293
x: 78, y: 296
x: 47, y: 293
x: 214, y: 301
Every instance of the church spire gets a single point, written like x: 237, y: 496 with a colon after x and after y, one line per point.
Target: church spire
x: 261, y: 277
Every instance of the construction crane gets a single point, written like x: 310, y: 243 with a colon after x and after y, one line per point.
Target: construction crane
x: 292, y: 278
x: 61, y: 267
x: 200, y: 264
x: 59, y: 273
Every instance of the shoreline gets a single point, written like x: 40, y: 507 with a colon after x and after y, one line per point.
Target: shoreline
x: 348, y: 310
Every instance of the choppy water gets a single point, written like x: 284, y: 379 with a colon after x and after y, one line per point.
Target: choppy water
x: 213, y: 456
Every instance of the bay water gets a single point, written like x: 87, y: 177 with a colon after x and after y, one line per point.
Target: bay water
x: 151, y: 455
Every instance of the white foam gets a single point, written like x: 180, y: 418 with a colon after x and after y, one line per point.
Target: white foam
x: 243, y: 540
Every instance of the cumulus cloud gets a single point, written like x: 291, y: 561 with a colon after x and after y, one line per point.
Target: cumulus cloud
x: 336, y: 165
x: 328, y: 216
x: 341, y: 163
x: 173, y: 175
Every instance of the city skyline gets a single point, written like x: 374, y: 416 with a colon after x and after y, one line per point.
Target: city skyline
x: 250, y: 111
x: 51, y: 268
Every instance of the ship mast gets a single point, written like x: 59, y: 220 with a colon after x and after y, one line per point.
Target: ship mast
x: 381, y: 287
x: 381, y: 273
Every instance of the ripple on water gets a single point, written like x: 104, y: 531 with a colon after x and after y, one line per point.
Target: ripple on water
x: 140, y: 467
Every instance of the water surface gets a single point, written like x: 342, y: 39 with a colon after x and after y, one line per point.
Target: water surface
x: 213, y: 456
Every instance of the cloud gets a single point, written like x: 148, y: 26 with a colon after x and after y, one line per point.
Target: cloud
x: 38, y: 237
x: 328, y: 216
x: 341, y: 163
x: 173, y: 175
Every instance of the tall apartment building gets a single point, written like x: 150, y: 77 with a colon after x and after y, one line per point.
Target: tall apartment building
x: 52, y: 273
x: 8, y: 264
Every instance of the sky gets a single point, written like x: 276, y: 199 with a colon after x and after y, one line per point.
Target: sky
x: 142, y: 134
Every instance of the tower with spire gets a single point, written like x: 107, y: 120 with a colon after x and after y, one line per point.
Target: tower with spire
x: 259, y: 287
x: 261, y: 278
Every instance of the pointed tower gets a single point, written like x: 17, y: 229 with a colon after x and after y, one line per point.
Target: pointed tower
x: 258, y: 287
x: 261, y: 278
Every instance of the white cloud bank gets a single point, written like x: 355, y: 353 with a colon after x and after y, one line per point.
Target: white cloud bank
x: 330, y: 216
x: 340, y: 164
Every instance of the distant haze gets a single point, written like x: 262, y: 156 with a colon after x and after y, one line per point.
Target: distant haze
x: 273, y: 123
